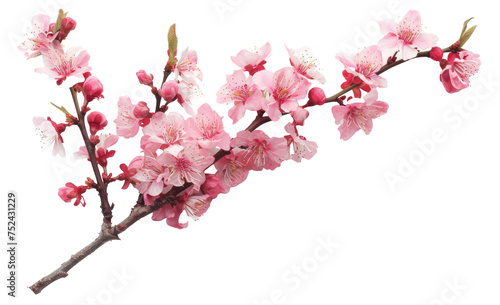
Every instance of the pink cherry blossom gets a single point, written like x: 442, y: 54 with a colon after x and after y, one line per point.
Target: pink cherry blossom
x: 365, y: 66
x: 258, y: 151
x: 241, y: 91
x: 355, y: 116
x: 196, y: 205
x: 460, y: 66
x: 50, y: 133
x: 186, y: 92
x: 38, y: 38
x: 186, y: 67
x: 231, y: 170
x: 150, y: 178
x: 188, y: 165
x: 304, y: 63
x: 71, y: 191
x: 299, y: 144
x: 254, y: 60
x: 299, y: 116
x: 163, y: 130
x: 285, y: 87
x: 130, y: 117
x: 60, y: 64
x: 101, y: 149
x: 212, y: 185
x: 207, y: 129
x: 406, y: 36
x: 171, y: 213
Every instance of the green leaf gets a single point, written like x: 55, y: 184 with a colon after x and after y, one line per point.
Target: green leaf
x: 172, y: 43
x: 62, y: 109
x: 60, y: 17
x: 465, y: 26
x: 467, y: 35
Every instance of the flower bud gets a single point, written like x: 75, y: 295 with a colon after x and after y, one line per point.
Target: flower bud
x: 144, y: 78
x: 67, y: 25
x: 141, y: 110
x: 436, y: 53
x: 317, y: 96
x: 97, y: 121
x: 92, y: 88
x: 299, y: 115
x: 169, y: 90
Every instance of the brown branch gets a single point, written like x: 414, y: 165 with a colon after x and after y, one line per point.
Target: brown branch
x: 140, y: 210
x: 101, y: 188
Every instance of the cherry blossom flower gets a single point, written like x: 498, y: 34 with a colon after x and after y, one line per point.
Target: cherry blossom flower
x: 38, y: 38
x: 406, y: 36
x: 186, y: 92
x: 212, y: 185
x: 130, y: 117
x: 207, y: 129
x: 254, y: 60
x: 171, y: 213
x: 299, y: 116
x: 194, y: 204
x: 163, y: 130
x: 299, y: 144
x: 285, y: 87
x: 150, y: 178
x: 356, y: 116
x: 50, y: 133
x: 101, y: 149
x: 60, y: 64
x: 304, y: 63
x: 258, y: 151
x: 186, y: 67
x: 71, y: 191
x: 241, y: 91
x: 188, y: 165
x: 362, y: 68
x: 231, y: 171
x: 460, y: 66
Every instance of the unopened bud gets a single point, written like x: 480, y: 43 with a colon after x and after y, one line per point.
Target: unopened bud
x: 97, y: 121
x: 92, y: 88
x: 169, y: 90
x: 141, y: 110
x: 317, y: 96
x: 145, y: 78
x: 436, y: 53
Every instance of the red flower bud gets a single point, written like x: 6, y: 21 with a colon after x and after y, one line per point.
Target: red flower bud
x: 169, y: 90
x: 92, y: 88
x: 317, y: 96
x: 141, y: 110
x: 67, y: 25
x: 436, y: 53
x: 144, y: 78
x: 97, y: 121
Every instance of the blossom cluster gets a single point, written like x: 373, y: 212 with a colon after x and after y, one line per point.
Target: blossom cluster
x: 196, y: 151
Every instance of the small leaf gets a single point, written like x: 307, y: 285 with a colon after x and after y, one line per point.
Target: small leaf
x: 172, y: 43
x: 62, y: 109
x: 60, y: 17
x: 465, y: 26
x: 467, y: 35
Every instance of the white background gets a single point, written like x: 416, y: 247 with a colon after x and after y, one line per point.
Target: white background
x: 396, y: 246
